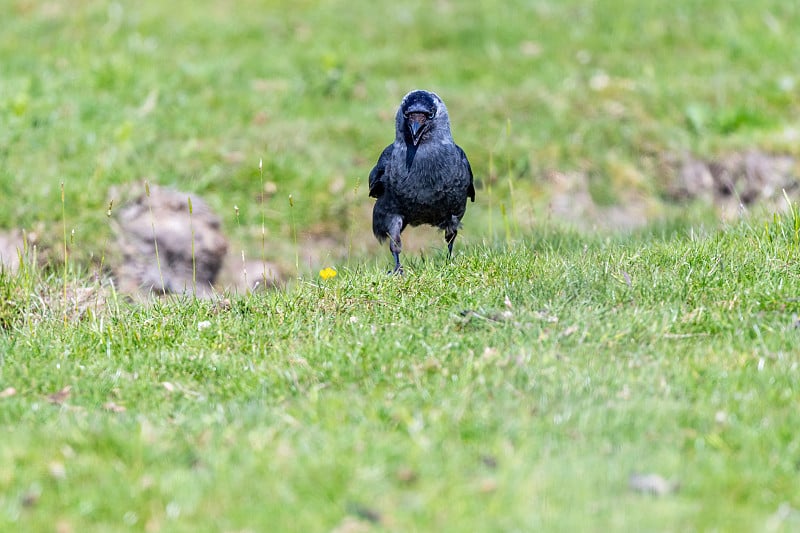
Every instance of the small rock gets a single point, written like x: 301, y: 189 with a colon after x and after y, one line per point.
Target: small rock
x: 30, y: 498
x: 652, y: 484
x: 365, y: 513
x: 57, y: 470
x: 406, y: 475
x: 8, y: 392
x: 59, y: 397
x: 489, y: 460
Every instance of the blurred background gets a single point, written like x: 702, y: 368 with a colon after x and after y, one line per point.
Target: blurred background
x: 604, y: 115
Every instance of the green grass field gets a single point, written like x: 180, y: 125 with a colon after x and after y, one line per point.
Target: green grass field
x: 516, y: 388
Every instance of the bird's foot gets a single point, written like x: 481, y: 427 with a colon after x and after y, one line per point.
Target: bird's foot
x: 396, y: 271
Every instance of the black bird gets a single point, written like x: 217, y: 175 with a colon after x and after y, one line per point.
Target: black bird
x: 423, y: 177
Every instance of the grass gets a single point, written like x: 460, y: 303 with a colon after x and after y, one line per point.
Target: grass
x: 515, y: 388
x: 107, y: 94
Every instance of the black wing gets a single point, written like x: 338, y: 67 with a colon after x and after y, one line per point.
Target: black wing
x: 376, y: 184
x: 465, y: 161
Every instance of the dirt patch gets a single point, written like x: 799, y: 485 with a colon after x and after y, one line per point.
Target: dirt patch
x: 165, y: 248
x: 571, y: 200
x: 12, y: 248
x: 250, y: 275
x: 731, y: 182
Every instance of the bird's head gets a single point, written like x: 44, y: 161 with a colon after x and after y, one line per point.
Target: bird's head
x: 421, y: 115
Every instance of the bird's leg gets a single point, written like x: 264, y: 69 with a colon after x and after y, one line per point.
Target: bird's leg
x: 450, y: 238
x: 398, y: 268
x: 395, y: 227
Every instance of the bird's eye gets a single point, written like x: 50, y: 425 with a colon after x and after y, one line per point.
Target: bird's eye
x: 431, y: 114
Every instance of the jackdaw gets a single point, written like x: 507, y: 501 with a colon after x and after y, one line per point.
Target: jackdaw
x: 424, y: 177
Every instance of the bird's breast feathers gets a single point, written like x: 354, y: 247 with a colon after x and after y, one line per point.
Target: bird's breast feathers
x: 435, y: 181
x: 431, y: 163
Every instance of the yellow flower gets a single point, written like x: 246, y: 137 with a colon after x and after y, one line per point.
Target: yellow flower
x: 327, y: 273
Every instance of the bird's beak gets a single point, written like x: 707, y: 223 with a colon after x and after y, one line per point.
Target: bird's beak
x: 416, y: 125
